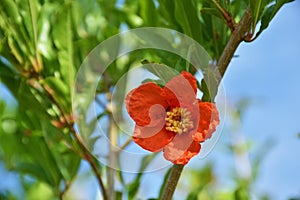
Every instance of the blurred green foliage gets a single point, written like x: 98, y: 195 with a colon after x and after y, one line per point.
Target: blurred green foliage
x: 243, y: 172
x: 43, y: 43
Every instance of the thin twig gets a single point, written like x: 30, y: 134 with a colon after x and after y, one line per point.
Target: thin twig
x: 112, y: 158
x: 235, y: 39
x: 172, y: 182
x: 228, y: 19
x: 62, y: 193
x: 125, y: 145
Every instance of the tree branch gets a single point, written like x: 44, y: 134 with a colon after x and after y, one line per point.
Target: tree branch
x: 236, y: 38
x: 172, y: 182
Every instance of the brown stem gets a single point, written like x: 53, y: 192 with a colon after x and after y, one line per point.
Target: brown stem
x: 235, y: 39
x: 228, y: 19
x: 172, y: 182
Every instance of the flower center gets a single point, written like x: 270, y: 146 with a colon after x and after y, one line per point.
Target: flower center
x: 179, y: 120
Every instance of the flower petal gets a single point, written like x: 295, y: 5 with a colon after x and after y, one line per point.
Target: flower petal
x: 208, y: 121
x: 145, y: 104
x: 180, y: 90
x: 181, y: 149
x: 152, y: 138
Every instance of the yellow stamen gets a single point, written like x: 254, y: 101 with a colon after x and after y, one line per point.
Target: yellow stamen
x: 179, y: 120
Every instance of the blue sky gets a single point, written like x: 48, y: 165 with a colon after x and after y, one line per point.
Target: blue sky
x: 268, y: 72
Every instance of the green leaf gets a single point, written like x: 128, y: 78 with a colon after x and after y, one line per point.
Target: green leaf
x: 12, y: 21
x: 25, y: 94
x: 255, y: 6
x: 60, y: 92
x: 186, y: 14
x: 212, y: 11
x: 67, y: 161
x: 238, y: 7
x: 163, y: 72
x: 45, y: 42
x: 11, y: 8
x: 63, y: 36
x: 269, y: 14
x: 29, y: 11
x: 204, y: 89
x: 41, y: 190
x: 167, y: 11
x: 118, y: 195
x: 156, y: 81
x: 149, y: 12
x: 241, y: 193
x: 34, y: 157
x: 16, y: 51
x: 2, y: 107
x: 209, y: 84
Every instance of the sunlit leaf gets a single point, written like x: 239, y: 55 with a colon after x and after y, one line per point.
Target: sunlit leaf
x: 59, y: 91
x: 269, y: 14
x: 163, y: 72
x: 149, y: 12
x: 186, y: 14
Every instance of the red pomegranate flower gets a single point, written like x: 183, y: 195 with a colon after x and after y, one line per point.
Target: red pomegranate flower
x: 171, y: 118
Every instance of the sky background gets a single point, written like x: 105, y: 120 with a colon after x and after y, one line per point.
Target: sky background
x: 267, y: 71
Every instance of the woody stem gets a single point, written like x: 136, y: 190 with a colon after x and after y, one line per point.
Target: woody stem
x: 172, y: 182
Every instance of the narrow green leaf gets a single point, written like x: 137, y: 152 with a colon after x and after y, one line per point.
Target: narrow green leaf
x: 10, y: 7
x: 16, y: 51
x: 156, y: 81
x: 67, y: 161
x: 212, y: 11
x: 59, y: 91
x: 43, y: 165
x: 33, y: 15
x: 149, y: 12
x: 166, y: 11
x: 2, y: 108
x: 63, y: 36
x: 186, y: 14
x: 255, y: 6
x: 163, y: 72
x: 12, y: 21
x: 29, y: 12
x: 238, y: 7
x: 204, y: 89
x: 269, y: 14
x: 118, y: 195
